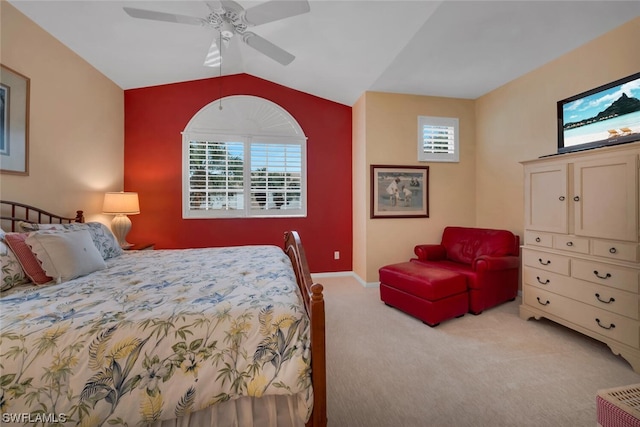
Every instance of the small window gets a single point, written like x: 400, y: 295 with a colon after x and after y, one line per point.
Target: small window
x: 438, y: 139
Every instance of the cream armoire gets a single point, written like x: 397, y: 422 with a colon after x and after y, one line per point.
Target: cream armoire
x: 581, y: 254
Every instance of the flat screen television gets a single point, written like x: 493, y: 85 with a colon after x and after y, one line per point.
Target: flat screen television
x: 606, y: 115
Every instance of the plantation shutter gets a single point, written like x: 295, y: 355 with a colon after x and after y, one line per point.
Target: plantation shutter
x: 216, y: 175
x: 438, y: 139
x: 276, y: 176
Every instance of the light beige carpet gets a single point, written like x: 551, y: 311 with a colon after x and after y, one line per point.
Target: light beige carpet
x: 387, y: 369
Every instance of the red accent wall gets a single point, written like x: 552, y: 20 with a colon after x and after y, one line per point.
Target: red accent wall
x: 156, y: 116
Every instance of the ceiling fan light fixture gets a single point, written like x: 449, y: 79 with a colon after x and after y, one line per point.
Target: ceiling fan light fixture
x: 226, y: 29
x: 214, y: 19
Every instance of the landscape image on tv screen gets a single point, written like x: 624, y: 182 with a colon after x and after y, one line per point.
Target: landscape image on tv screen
x: 604, y: 116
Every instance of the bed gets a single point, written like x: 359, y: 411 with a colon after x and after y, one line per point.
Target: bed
x: 191, y: 337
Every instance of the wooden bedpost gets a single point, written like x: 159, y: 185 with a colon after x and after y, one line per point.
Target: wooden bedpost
x: 314, y: 304
x: 318, y: 358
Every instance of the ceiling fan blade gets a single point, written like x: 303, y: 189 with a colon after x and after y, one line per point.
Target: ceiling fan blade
x: 216, y: 52
x: 230, y: 5
x: 215, y: 6
x: 275, y: 10
x: 266, y: 47
x: 161, y: 16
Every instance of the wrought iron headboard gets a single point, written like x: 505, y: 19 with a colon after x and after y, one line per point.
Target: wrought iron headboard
x: 14, y: 212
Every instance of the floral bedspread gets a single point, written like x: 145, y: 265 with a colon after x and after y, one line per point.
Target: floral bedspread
x: 156, y: 335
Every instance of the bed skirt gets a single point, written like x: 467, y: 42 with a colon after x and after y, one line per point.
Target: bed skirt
x: 266, y: 411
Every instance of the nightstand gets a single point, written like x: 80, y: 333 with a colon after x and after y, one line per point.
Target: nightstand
x: 141, y: 247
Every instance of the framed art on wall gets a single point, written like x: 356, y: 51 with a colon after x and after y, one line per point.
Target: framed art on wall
x: 399, y: 191
x: 14, y: 122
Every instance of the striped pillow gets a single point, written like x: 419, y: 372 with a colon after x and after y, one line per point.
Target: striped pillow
x: 26, y: 258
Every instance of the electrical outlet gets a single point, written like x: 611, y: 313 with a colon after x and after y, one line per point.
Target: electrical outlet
x: 336, y: 255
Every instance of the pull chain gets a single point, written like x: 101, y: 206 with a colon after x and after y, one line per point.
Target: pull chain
x: 220, y: 49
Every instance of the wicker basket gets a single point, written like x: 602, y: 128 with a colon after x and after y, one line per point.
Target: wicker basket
x: 619, y: 407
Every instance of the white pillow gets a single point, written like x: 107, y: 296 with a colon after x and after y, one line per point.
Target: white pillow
x: 102, y: 237
x: 65, y: 255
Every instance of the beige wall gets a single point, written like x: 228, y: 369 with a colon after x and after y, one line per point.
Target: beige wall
x: 387, y: 134
x: 76, y: 132
x: 517, y: 121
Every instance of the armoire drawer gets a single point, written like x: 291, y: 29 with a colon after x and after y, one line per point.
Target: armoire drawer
x: 538, y: 239
x: 546, y: 261
x: 608, y: 324
x: 603, y: 297
x: 570, y: 243
x: 605, y: 274
x: 552, y: 282
x: 616, y: 250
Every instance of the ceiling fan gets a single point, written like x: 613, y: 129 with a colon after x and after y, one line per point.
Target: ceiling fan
x: 228, y: 18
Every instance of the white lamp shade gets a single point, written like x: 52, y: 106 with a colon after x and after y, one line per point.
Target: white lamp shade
x: 125, y: 203
x: 121, y: 204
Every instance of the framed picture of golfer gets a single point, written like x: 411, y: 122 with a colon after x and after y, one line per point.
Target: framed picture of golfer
x: 399, y: 191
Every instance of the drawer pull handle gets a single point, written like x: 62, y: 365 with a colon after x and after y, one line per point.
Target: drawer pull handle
x: 538, y: 239
x: 541, y: 282
x: 611, y: 326
x: 569, y: 243
x: 561, y: 198
x: 606, y: 302
x: 576, y: 199
x: 612, y: 250
x: 606, y: 276
x: 542, y: 303
x: 544, y: 263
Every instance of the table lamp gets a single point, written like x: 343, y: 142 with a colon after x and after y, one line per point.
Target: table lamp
x: 121, y: 204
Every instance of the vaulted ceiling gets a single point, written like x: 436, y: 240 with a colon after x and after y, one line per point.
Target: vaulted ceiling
x: 451, y: 48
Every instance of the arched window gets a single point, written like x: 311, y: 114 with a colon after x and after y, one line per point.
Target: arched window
x: 246, y: 159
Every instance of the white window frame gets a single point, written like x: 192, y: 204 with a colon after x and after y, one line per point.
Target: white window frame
x: 451, y: 153
x: 246, y: 120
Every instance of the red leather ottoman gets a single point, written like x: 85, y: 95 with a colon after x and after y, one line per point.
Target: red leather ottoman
x: 429, y: 294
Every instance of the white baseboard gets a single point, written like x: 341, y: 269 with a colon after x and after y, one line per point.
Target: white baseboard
x: 346, y: 274
x: 355, y: 276
x: 333, y: 274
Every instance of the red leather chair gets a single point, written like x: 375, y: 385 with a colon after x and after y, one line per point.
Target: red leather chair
x: 488, y: 258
